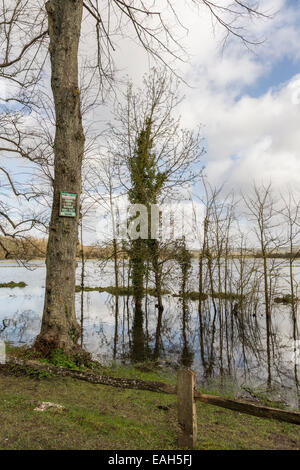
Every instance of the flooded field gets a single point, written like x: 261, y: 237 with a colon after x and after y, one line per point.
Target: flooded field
x: 226, y: 344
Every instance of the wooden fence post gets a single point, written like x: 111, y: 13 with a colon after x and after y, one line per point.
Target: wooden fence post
x: 187, y: 417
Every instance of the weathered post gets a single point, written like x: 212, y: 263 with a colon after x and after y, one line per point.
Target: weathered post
x: 187, y: 417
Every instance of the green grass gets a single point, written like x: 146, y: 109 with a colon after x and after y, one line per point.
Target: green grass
x: 285, y: 299
x: 109, y: 289
x: 104, y: 417
x: 143, y: 371
x: 227, y: 296
x: 12, y: 284
x: 192, y: 295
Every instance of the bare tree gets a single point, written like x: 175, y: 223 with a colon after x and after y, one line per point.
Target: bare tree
x: 291, y: 213
x: 262, y: 213
x: 103, y: 188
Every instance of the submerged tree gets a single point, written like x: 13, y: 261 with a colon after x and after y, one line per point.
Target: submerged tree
x: 158, y: 157
x: 291, y: 219
x: 261, y: 209
x: 142, y: 176
x: 184, y: 259
x: 103, y: 189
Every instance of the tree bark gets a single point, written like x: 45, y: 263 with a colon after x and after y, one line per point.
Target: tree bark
x: 59, y: 325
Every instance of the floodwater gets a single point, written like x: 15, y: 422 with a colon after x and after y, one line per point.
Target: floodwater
x: 230, y: 351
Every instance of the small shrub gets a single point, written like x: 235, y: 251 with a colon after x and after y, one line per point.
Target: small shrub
x: 60, y: 359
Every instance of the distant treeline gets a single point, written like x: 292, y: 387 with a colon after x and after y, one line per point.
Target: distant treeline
x: 22, y: 248
x: 34, y: 248
x: 251, y: 254
x: 286, y: 255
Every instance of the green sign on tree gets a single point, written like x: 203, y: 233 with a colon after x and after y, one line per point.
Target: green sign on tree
x: 68, y: 204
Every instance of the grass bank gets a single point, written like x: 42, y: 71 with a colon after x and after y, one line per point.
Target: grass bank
x: 105, y: 417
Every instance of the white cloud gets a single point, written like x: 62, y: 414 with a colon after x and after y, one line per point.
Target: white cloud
x: 252, y: 136
x: 247, y: 137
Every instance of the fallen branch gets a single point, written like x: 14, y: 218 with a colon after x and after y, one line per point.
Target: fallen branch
x: 249, y: 408
x: 136, y: 384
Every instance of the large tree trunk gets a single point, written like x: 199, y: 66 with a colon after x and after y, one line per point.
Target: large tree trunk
x: 59, y: 325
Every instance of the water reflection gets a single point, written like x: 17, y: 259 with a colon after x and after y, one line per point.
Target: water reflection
x: 221, y: 338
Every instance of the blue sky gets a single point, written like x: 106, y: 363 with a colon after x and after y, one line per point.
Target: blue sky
x: 280, y: 72
x: 284, y: 67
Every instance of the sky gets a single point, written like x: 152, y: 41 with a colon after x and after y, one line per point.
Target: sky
x: 247, y: 101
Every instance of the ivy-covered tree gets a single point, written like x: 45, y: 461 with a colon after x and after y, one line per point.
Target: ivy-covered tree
x: 158, y: 157
x: 146, y: 183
